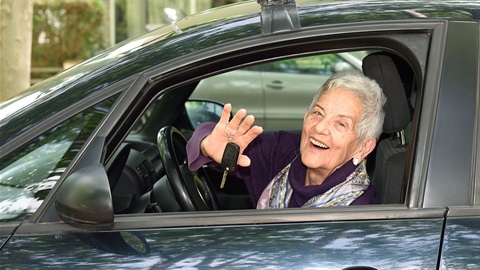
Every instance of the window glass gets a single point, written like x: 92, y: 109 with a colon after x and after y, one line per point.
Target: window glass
x: 29, y: 173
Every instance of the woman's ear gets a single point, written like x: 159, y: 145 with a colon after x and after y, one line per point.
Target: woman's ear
x: 367, y: 147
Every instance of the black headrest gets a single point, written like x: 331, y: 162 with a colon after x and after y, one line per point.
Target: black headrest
x: 395, y: 77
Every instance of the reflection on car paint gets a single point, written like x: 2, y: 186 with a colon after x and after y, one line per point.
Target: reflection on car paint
x: 462, y: 244
x: 402, y: 243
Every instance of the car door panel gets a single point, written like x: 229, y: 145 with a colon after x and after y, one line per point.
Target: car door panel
x: 382, y: 243
x: 456, y: 100
x: 6, y: 230
x: 461, y: 247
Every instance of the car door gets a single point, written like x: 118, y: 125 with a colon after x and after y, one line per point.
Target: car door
x: 397, y: 238
x: 461, y: 244
x: 459, y: 89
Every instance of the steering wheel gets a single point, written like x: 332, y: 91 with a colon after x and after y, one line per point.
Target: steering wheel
x: 192, y: 190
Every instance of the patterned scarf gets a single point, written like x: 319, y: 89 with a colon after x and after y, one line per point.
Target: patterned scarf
x: 278, y: 192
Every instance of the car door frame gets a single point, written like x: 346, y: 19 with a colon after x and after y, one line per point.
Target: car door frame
x: 445, y: 83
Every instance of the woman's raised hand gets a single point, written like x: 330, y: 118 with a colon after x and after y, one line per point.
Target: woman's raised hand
x: 239, y: 130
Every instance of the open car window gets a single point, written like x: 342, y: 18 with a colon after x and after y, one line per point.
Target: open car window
x: 277, y: 93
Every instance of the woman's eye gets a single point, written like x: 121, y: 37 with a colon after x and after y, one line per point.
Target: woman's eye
x: 342, y: 125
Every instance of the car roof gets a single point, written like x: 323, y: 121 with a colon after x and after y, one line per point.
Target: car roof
x: 193, y: 34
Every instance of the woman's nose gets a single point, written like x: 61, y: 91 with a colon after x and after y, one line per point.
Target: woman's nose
x: 322, y: 127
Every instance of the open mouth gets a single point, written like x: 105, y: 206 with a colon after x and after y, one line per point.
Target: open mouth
x: 318, y: 144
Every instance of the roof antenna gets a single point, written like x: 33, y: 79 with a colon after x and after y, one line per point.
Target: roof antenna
x: 279, y: 15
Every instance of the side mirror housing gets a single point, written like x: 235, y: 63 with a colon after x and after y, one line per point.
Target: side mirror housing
x: 84, y: 199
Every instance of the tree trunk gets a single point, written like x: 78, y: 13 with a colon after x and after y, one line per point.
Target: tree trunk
x: 136, y: 18
x: 15, y: 46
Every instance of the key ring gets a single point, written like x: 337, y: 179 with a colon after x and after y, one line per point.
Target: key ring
x: 230, y: 135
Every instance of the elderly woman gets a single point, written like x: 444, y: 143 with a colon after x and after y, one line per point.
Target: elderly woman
x: 324, y: 166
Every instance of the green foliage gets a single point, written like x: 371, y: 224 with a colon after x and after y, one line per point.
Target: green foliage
x: 66, y: 30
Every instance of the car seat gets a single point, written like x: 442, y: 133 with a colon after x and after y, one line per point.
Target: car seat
x: 395, y: 77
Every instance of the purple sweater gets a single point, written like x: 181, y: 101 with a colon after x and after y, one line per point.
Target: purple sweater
x: 269, y: 155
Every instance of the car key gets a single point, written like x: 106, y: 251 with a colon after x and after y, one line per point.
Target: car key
x: 229, y: 160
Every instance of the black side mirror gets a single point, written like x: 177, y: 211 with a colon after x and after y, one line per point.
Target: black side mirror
x: 84, y: 198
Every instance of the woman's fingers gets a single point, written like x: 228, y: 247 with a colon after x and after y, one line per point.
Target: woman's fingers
x: 238, y: 130
x: 237, y: 119
x: 246, y: 124
x: 243, y: 161
x: 252, y: 134
x: 227, y: 108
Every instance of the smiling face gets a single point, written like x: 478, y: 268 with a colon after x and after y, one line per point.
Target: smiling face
x: 329, y: 136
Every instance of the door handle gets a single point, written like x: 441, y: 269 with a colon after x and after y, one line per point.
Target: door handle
x: 276, y: 85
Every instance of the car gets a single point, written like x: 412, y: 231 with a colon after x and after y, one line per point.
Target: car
x: 93, y: 165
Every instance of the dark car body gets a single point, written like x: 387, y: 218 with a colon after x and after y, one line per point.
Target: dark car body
x: 63, y: 141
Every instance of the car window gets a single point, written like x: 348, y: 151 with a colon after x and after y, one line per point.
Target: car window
x: 277, y: 93
x: 283, y: 99
x: 29, y: 173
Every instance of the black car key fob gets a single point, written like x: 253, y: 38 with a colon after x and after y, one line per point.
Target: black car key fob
x: 230, y: 156
x: 229, y: 160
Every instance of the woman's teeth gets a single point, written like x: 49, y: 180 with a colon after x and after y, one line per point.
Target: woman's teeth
x: 318, y: 144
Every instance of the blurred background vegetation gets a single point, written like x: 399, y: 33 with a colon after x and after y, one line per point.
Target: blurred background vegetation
x: 65, y: 32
